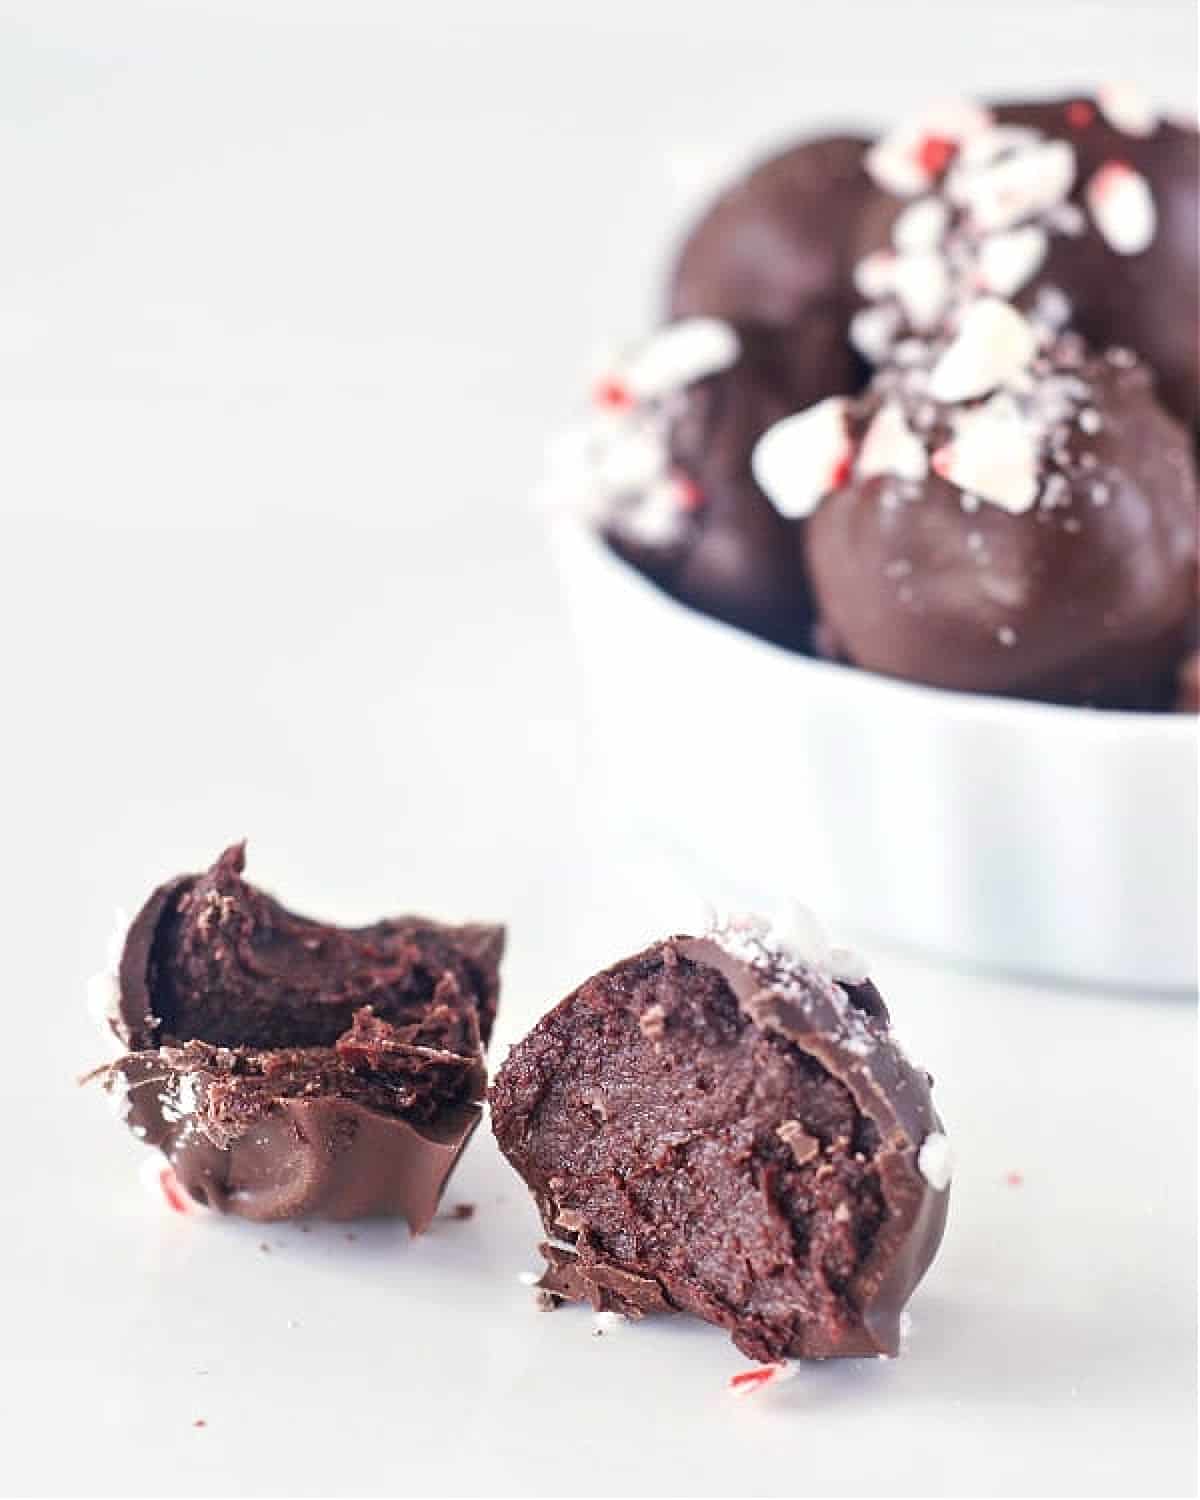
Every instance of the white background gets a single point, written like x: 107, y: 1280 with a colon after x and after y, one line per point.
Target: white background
x: 289, y: 297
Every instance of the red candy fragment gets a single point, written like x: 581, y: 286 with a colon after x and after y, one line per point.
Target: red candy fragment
x: 841, y: 470
x: 688, y: 495
x: 935, y: 153
x: 1014, y: 1179
x: 1080, y: 114
x: 746, y: 1381
x: 613, y: 393
x: 176, y: 1198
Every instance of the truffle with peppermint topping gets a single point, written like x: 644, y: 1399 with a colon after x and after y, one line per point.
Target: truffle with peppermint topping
x: 1038, y: 539
x: 725, y: 1126
x: 1094, y: 199
x: 661, y: 465
x: 285, y: 1067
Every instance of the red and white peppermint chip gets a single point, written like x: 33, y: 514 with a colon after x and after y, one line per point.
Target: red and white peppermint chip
x: 1127, y: 109
x: 994, y: 344
x: 1009, y: 261
x: 921, y: 226
x: 800, y: 460
x: 891, y: 447
x: 921, y: 283
x: 993, y: 455
x: 909, y: 159
x: 678, y: 355
x: 1017, y: 187
x: 1122, y: 207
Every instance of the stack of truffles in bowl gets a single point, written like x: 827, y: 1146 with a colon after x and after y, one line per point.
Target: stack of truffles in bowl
x: 927, y: 406
x: 922, y: 413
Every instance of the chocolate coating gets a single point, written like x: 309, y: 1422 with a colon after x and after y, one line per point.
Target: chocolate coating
x: 286, y: 1067
x: 1089, y: 601
x: 733, y: 1136
x: 777, y: 242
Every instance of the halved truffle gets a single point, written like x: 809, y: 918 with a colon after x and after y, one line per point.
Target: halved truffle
x: 285, y: 1067
x: 720, y: 1127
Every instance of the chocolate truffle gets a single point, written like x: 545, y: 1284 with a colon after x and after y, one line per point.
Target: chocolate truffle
x: 1091, y: 206
x: 285, y: 1067
x: 776, y: 243
x: 662, y: 468
x: 722, y: 1126
x: 1033, y: 532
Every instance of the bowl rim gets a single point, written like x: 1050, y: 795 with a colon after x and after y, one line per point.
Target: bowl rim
x: 1111, y: 724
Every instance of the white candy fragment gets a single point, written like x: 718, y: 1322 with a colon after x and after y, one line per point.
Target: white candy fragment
x: 657, y: 519
x: 993, y: 455
x: 678, y: 355
x: 873, y: 331
x: 994, y: 343
x: 798, y: 933
x: 909, y: 159
x: 1009, y: 261
x: 528, y: 1278
x: 874, y: 275
x: 1127, y: 109
x: 891, y: 447
x: 607, y: 1322
x: 935, y: 1161
x: 921, y: 225
x: 921, y: 282
x: 630, y: 459
x: 798, y: 461
x: 1016, y: 187
x: 1122, y: 208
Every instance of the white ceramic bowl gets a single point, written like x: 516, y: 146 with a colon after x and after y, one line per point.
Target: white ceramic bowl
x: 1050, y: 841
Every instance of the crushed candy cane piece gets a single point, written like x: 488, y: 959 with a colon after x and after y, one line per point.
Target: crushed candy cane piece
x: 1080, y: 114
x: 922, y: 286
x: 157, y: 1177
x: 1122, y: 208
x: 873, y: 331
x: 747, y: 1381
x: 993, y: 344
x: 801, y: 459
x: 1127, y: 109
x: 1010, y: 260
x: 993, y: 455
x: 891, y: 447
x: 920, y: 226
x: 935, y: 1161
x: 1018, y: 187
x: 909, y: 158
x: 874, y: 274
x: 680, y: 354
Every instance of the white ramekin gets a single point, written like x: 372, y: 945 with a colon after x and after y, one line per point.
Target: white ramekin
x: 1057, y: 842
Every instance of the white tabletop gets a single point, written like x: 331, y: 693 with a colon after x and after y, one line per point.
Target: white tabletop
x: 286, y: 309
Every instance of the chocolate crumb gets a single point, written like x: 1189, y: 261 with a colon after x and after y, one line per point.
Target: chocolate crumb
x: 462, y: 1211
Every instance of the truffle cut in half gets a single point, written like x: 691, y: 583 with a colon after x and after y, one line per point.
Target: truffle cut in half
x: 722, y: 1127
x: 285, y: 1067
